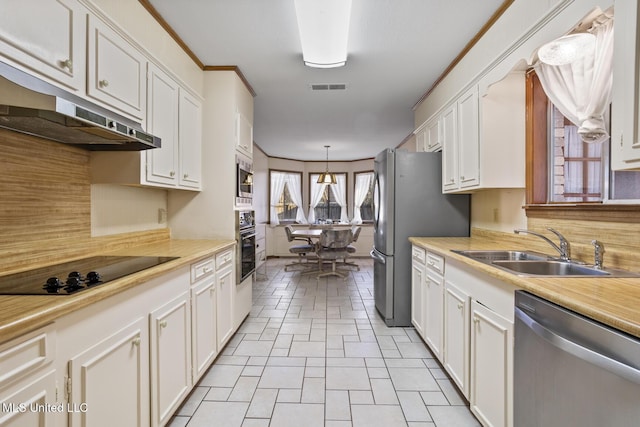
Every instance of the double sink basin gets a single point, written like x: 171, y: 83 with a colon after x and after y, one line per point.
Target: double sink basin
x: 532, y: 264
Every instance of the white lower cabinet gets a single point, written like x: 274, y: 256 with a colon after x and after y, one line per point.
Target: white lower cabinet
x: 204, y: 313
x: 25, y: 403
x: 225, y: 284
x: 111, y: 380
x: 170, y: 327
x: 433, y: 312
x: 456, y: 336
x: 491, y: 366
x: 418, y: 283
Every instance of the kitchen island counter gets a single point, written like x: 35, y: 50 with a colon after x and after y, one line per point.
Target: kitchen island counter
x: 612, y: 301
x: 22, y: 313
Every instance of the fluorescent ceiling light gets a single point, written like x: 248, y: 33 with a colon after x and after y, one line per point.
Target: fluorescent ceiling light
x: 567, y: 49
x: 324, y: 30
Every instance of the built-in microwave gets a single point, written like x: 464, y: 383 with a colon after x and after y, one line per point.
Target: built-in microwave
x: 244, y: 181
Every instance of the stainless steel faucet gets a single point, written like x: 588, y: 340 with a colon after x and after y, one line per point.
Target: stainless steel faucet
x: 564, y: 249
x: 598, y: 253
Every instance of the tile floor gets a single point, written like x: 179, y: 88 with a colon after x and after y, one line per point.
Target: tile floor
x: 315, y: 353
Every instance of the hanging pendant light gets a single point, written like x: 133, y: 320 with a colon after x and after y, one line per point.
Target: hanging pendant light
x: 326, y: 177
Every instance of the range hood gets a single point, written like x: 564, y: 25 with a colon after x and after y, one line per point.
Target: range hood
x: 34, y: 107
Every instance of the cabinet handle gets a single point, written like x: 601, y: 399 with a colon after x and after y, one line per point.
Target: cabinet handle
x: 206, y: 269
x: 462, y: 177
x: 476, y: 320
x: 185, y: 176
x: 163, y: 324
x: 103, y: 83
x: 172, y: 174
x: 452, y: 180
x: 67, y: 63
x: 136, y: 341
x: 460, y: 305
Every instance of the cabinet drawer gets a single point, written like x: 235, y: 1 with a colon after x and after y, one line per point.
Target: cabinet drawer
x: 435, y: 262
x: 26, y: 353
x: 202, y: 269
x: 224, y: 259
x: 418, y: 254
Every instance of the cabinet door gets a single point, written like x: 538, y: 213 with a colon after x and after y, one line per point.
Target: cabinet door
x: 491, y: 367
x: 625, y: 107
x: 468, y: 139
x: 244, y: 134
x: 203, y: 326
x: 57, y: 52
x: 456, y: 336
x: 112, y: 379
x: 433, y: 313
x: 162, y: 121
x: 421, y: 140
x: 170, y: 358
x: 449, y: 149
x: 418, y: 297
x: 116, y: 71
x: 225, y: 284
x: 433, y: 135
x: 190, y: 140
x: 17, y: 403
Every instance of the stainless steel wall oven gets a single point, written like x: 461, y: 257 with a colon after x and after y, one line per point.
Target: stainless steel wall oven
x: 246, y: 238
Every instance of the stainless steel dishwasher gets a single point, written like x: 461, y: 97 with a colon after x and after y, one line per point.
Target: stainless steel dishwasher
x: 570, y: 370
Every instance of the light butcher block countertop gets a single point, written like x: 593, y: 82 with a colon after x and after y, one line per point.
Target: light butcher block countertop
x: 22, y: 313
x: 612, y: 301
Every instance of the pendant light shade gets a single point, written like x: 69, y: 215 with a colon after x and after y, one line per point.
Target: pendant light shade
x: 326, y: 177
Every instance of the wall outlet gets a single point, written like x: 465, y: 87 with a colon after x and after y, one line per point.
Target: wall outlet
x: 162, y: 216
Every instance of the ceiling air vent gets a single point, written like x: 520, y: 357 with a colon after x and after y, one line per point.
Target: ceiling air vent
x: 333, y: 86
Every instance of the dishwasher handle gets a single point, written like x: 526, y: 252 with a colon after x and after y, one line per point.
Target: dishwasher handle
x: 612, y: 365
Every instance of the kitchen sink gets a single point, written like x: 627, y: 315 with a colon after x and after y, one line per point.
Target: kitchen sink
x: 550, y: 268
x: 529, y: 263
x: 502, y: 255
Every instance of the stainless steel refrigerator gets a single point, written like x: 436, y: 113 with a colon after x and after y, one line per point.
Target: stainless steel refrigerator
x: 408, y: 201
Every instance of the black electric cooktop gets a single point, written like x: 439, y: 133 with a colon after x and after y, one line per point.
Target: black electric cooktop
x: 75, y: 276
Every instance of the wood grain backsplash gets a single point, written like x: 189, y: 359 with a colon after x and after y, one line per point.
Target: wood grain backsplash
x: 45, y: 192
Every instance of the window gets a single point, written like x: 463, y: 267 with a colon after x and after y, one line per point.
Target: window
x: 329, y: 202
x: 363, y: 197
x: 285, y: 197
x: 563, y: 169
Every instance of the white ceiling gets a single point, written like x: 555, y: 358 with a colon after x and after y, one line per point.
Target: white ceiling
x: 397, y: 49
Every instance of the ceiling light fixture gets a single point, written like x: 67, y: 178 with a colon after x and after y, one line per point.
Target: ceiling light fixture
x: 567, y: 49
x: 326, y: 177
x: 324, y: 30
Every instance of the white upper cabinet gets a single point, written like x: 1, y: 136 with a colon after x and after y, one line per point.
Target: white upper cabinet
x: 57, y: 53
x: 162, y: 121
x: 429, y: 135
x: 244, y: 134
x: 479, y: 132
x: 116, y: 70
x: 190, y: 140
x: 625, y: 110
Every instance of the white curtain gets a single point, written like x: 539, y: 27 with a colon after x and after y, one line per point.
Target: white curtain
x: 315, y: 197
x: 339, y: 190
x: 363, y: 182
x: 278, y: 180
x: 581, y: 90
x: 295, y: 191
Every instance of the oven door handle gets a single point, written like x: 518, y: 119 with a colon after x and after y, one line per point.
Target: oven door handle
x: 612, y: 365
x: 248, y: 236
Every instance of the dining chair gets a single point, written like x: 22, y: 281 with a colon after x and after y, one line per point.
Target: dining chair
x: 332, y: 247
x: 300, y: 250
x: 352, y: 249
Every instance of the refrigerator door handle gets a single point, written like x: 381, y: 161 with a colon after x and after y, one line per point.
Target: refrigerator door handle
x: 377, y: 256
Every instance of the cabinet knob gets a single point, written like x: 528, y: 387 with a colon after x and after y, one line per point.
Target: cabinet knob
x: 206, y: 270
x: 67, y: 63
x: 452, y: 180
x: 103, y: 83
x: 172, y: 174
x: 460, y: 306
x: 136, y: 341
x: 185, y: 176
x: 462, y: 177
x: 163, y: 324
